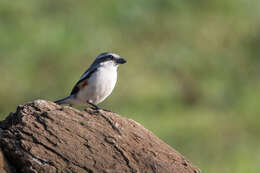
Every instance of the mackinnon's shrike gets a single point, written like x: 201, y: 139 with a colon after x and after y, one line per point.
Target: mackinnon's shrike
x: 97, y: 83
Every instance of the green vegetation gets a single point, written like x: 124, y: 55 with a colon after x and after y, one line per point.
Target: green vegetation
x: 192, y: 77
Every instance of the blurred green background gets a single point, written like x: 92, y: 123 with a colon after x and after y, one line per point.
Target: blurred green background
x: 192, y: 77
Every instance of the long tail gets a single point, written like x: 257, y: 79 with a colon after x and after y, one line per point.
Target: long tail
x: 66, y: 100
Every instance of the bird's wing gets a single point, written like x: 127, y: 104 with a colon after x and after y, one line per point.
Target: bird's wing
x: 83, y: 81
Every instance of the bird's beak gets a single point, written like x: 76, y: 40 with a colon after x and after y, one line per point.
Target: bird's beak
x: 120, y: 61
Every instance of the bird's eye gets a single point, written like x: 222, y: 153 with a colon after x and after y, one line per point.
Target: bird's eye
x: 110, y: 57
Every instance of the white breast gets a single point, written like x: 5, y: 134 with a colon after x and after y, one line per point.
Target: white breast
x: 100, y: 85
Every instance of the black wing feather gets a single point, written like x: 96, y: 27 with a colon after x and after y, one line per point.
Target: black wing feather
x: 75, y: 89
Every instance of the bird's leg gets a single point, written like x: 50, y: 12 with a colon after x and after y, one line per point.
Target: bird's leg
x: 93, y: 106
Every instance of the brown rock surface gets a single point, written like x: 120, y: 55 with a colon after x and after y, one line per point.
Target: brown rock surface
x: 44, y: 137
x: 4, y: 165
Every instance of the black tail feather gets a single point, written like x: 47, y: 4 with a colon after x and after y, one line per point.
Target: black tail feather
x: 63, y: 101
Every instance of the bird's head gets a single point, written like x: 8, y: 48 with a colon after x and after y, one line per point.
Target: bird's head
x: 107, y: 59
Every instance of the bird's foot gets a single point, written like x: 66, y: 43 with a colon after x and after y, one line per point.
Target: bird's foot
x: 93, y: 106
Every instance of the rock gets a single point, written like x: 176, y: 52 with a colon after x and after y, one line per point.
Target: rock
x: 4, y: 165
x: 43, y: 137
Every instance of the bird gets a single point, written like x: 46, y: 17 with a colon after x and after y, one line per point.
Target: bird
x: 96, y: 83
